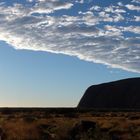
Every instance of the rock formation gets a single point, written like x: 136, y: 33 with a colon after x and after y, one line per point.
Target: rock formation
x: 122, y: 94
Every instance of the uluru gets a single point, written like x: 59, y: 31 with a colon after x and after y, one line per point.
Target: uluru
x: 121, y: 94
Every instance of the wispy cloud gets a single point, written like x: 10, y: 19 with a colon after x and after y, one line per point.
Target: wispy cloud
x: 99, y: 34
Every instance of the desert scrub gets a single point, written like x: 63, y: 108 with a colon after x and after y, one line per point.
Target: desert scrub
x: 87, y: 130
x: 47, y: 131
x: 71, y: 115
x: 2, y: 134
x: 29, y: 119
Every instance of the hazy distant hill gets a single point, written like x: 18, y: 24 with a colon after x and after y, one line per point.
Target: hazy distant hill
x: 120, y: 94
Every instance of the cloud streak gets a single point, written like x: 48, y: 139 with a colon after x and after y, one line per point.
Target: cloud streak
x: 97, y: 34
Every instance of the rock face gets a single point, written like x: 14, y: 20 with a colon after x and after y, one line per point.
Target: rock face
x: 122, y: 94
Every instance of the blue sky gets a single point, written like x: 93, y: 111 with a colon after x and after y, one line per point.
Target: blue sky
x: 52, y: 50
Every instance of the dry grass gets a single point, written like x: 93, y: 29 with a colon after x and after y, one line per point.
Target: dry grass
x: 59, y: 125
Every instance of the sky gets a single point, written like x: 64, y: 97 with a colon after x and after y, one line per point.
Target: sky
x: 51, y: 51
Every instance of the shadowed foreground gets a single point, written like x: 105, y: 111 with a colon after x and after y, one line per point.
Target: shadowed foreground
x: 68, y: 124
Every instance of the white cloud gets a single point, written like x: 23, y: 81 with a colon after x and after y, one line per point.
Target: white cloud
x: 112, y: 31
x: 114, y: 9
x: 137, y: 18
x: 30, y: 0
x: 119, y: 30
x: 87, y: 35
x: 136, y: 1
x: 108, y: 14
x: 109, y: 9
x: 133, y: 7
x: 96, y: 8
x: 50, y: 6
x: 80, y: 1
x: 109, y: 17
x: 120, y: 4
x: 120, y: 11
x: 133, y: 29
